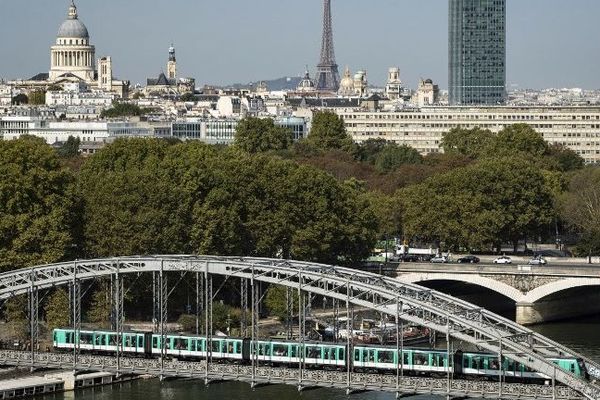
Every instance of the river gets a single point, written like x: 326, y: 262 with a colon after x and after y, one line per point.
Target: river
x: 582, y: 335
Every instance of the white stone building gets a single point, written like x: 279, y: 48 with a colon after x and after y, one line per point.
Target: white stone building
x: 577, y: 128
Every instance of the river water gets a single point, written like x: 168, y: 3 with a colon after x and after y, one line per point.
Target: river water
x: 581, y: 335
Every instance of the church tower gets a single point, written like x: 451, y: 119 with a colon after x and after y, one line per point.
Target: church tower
x: 172, y: 64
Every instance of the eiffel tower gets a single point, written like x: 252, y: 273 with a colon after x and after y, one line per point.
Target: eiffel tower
x: 328, y: 76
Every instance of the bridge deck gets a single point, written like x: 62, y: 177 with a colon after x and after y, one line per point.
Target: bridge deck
x: 291, y: 376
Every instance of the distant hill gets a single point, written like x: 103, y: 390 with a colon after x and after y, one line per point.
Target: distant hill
x: 286, y: 83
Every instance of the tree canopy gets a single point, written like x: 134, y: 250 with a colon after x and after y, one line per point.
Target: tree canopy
x: 38, y: 206
x: 256, y: 135
x: 328, y: 132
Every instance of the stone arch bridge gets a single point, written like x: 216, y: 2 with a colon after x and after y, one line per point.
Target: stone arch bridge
x: 450, y: 317
x: 540, y: 293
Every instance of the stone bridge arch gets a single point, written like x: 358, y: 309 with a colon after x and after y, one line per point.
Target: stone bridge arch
x: 489, y: 283
x: 551, y: 288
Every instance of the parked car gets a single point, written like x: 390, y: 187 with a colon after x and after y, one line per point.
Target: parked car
x: 439, y: 260
x: 538, y: 261
x: 411, y: 258
x: 503, y: 260
x: 468, y: 260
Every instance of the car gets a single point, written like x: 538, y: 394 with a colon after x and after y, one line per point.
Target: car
x: 538, y: 261
x: 468, y: 260
x: 411, y: 258
x: 503, y: 260
x: 439, y: 260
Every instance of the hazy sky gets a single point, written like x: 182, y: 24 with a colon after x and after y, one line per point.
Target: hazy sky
x: 551, y: 43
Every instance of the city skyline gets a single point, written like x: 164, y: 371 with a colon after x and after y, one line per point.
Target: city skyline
x: 539, y: 53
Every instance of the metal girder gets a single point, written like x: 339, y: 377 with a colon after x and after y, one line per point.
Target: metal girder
x: 425, y: 307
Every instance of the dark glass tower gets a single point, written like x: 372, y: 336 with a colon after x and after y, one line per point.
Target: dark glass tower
x: 477, y: 52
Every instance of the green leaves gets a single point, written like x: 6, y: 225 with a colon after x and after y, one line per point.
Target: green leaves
x: 481, y: 205
x: 38, y: 206
x: 328, y: 132
x: 257, y: 135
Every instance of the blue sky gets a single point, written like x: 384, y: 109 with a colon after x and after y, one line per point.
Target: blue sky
x: 551, y: 43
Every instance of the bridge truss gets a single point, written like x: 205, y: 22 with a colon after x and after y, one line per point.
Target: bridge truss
x: 454, y: 318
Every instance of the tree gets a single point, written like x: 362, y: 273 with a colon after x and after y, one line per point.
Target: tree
x: 581, y: 209
x: 37, y: 98
x: 57, y: 309
x: 39, y: 210
x: 276, y: 301
x: 100, y: 309
x: 370, y: 149
x: 393, y: 156
x: 122, y: 110
x: 19, y: 99
x: 256, y: 135
x: 188, y: 97
x: 480, y: 206
x: 467, y: 142
x: 388, y: 213
x: 328, y: 132
x: 515, y: 139
x: 566, y: 159
x: 15, y: 312
x: 70, y: 148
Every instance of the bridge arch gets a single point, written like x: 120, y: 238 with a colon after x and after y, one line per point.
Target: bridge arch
x: 437, y: 311
x: 551, y: 288
x: 474, y: 279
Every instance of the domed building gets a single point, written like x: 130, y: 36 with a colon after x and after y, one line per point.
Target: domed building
x: 72, y: 55
x: 306, y: 85
x: 346, y: 84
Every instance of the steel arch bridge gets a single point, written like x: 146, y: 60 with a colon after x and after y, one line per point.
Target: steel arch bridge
x: 455, y: 318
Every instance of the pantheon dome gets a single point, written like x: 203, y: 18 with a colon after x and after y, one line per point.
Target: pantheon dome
x: 72, y: 57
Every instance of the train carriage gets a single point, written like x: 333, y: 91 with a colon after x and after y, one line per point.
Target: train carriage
x: 102, y: 341
x: 386, y: 358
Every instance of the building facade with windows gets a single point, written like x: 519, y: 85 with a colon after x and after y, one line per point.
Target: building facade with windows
x: 477, y: 52
x: 577, y: 128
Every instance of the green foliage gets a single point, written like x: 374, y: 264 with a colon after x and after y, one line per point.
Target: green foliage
x: 256, y: 135
x: 328, y: 132
x: 70, y: 148
x: 388, y: 213
x: 467, y: 142
x: 99, y: 311
x: 188, y: 97
x: 122, y: 110
x: 369, y: 150
x: 276, y: 301
x: 518, y: 139
x: 37, y: 98
x: 481, y: 205
x: 20, y: 99
x: 39, y: 211
x: 15, y: 313
x: 566, y: 159
x: 188, y: 323
x: 581, y: 209
x: 393, y: 156
x: 57, y: 310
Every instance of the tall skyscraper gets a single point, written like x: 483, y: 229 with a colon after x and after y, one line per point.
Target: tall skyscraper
x: 328, y: 76
x: 477, y: 52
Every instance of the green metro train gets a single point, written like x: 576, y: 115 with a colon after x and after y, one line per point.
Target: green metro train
x: 370, y: 358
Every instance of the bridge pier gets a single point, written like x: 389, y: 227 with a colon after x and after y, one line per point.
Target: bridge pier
x: 564, y: 307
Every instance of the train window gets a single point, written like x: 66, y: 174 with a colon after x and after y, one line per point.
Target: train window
x: 280, y: 350
x: 86, y: 338
x: 356, y: 354
x: 264, y: 349
x: 112, y: 340
x: 406, y: 357
x: 216, y: 347
x: 98, y: 339
x: 493, y: 364
x: 70, y: 337
x: 510, y: 365
x: 200, y: 345
x: 420, y: 359
x: 438, y: 360
x: 181, y: 344
x: 313, y: 352
x: 155, y: 342
x: 385, y: 357
x: 341, y: 354
x: 370, y: 355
